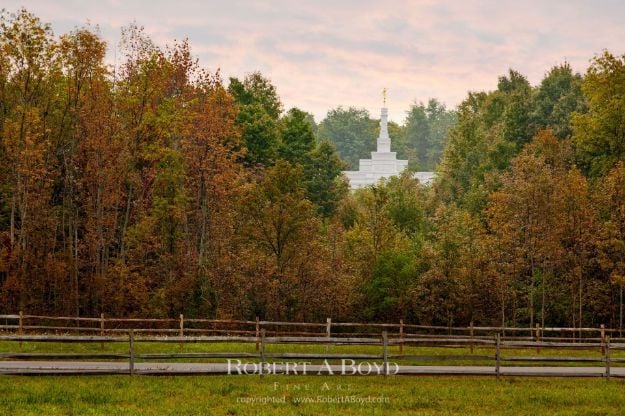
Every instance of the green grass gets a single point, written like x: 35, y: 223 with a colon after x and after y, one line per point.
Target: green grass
x: 152, y: 347
x: 225, y: 395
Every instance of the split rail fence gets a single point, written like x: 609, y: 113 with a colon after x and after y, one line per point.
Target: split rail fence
x: 495, y: 340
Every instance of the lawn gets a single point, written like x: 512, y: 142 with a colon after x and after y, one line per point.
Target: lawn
x: 438, y: 355
x: 304, y: 395
x: 282, y: 395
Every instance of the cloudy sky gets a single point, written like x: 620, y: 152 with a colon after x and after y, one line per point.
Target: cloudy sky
x: 325, y: 53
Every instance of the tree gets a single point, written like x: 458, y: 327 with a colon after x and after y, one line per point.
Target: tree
x: 387, y: 287
x: 423, y: 137
x: 280, y: 231
x: 525, y: 215
x: 475, y: 154
x: 351, y: 131
x: 259, y: 134
x: 556, y: 98
x: 454, y: 285
x: 297, y: 138
x: 415, y: 140
x: 256, y: 89
x: 28, y: 50
x: 214, y: 179
x: 379, y: 254
x: 407, y: 204
x: 599, y: 134
x: 324, y: 182
x: 610, y: 197
x: 259, y: 110
x: 93, y: 159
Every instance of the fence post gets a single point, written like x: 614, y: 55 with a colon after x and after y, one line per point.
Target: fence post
x: 257, y: 333
x: 471, y: 334
x: 401, y: 336
x: 181, y: 330
x: 602, y: 339
x: 131, y: 351
x: 328, y: 331
x: 607, y: 357
x: 101, y: 330
x: 497, y: 355
x: 385, y: 352
x: 262, y: 352
x: 20, y: 331
x: 537, y: 338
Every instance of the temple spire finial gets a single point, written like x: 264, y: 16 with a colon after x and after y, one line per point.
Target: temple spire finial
x: 384, y: 95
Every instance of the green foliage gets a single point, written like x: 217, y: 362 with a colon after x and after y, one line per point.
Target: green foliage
x: 407, y: 204
x: 423, y: 136
x: 297, y: 137
x: 600, y: 134
x: 514, y: 92
x: 325, y: 185
x: 321, y: 165
x: 474, y: 154
x: 170, y: 199
x: 386, y: 292
x: 384, y: 243
x: 351, y: 131
x: 259, y: 111
x: 493, y: 127
x: 259, y: 134
x: 558, y: 96
x: 256, y: 89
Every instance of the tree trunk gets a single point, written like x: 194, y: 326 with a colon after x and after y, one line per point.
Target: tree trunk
x: 122, y: 252
x: 580, y: 304
x: 531, y: 294
x: 620, y: 317
x: 542, y: 306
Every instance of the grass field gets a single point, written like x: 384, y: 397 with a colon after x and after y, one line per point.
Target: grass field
x: 304, y: 395
x: 280, y: 395
x: 448, y: 353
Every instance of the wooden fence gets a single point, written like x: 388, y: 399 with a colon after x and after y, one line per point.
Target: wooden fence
x: 494, y: 340
x: 102, y: 325
x: 497, y: 359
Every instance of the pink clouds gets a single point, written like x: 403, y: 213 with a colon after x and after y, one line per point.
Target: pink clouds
x: 325, y: 53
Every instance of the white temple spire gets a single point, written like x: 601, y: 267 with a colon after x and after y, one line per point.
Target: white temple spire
x: 384, y: 141
x: 383, y: 162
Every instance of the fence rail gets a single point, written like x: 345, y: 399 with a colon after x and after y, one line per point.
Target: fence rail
x: 105, y: 325
x: 385, y: 336
x: 264, y: 358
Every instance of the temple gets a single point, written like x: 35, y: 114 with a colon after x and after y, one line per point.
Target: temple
x: 383, y: 162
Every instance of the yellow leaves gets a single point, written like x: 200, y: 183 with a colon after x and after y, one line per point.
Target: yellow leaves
x: 617, y: 279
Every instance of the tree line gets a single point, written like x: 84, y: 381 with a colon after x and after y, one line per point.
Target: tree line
x: 153, y: 187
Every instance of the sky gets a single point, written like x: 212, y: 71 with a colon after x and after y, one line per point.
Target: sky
x: 324, y: 53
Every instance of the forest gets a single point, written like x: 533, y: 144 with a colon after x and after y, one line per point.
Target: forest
x: 154, y: 187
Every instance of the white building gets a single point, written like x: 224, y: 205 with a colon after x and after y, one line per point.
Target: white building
x: 383, y: 162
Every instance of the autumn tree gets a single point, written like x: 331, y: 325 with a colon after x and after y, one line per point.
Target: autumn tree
x: 610, y: 198
x: 525, y: 214
x: 28, y: 51
x: 285, y: 259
